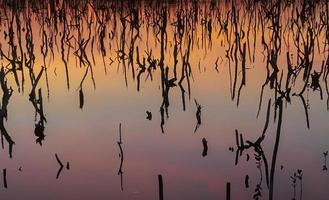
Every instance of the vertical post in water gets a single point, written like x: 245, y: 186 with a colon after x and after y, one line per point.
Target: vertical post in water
x: 160, y: 187
x: 228, y: 191
x: 4, y: 171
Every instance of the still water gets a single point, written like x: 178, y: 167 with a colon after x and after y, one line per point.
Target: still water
x: 101, y: 97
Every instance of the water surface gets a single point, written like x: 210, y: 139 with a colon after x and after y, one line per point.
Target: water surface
x: 237, y: 91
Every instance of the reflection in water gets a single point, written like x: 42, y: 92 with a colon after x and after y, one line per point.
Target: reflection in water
x: 246, y: 181
x: 198, y: 115
x: 159, y: 45
x: 160, y: 187
x: 4, y: 174
x: 120, y: 172
x: 40, y: 125
x: 205, y: 147
x: 228, y: 191
x: 7, y: 93
x: 81, y: 98
x: 298, y: 176
x: 149, y: 115
x: 60, y: 166
x: 325, y: 155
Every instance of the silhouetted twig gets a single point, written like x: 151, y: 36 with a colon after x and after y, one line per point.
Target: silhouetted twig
x: 60, y: 166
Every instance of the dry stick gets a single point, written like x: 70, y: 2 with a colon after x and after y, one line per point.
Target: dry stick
x: 141, y: 67
x: 58, y: 160
x: 41, y: 106
x: 5, y: 178
x: 205, y: 147
x: 61, y: 166
x: 120, y: 142
x: 19, y: 37
x: 63, y: 56
x: 267, y: 117
x: 188, y: 67
x: 246, y: 181
x: 198, y: 115
x: 35, y: 83
x: 81, y: 98
x: 180, y: 83
x: 305, y: 110
x: 237, y: 45
x: 121, y: 158
x: 275, y: 151
x: 228, y: 191
x: 3, y: 112
x: 243, y: 81
x: 160, y: 187
x: 263, y: 135
x: 13, y: 52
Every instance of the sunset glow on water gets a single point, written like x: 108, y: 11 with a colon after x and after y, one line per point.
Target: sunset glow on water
x: 207, y: 94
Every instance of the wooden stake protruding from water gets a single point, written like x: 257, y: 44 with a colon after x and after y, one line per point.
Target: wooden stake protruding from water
x: 160, y: 187
x: 4, y: 171
x: 228, y: 191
